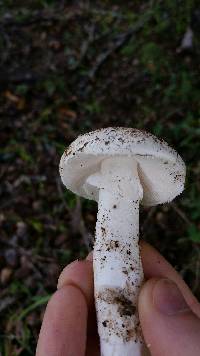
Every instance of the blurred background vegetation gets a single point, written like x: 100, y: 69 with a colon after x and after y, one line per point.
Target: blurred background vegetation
x: 67, y: 67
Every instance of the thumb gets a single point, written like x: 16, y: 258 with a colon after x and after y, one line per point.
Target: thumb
x: 169, y: 326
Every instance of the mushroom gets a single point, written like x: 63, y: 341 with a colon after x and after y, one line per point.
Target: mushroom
x: 120, y: 168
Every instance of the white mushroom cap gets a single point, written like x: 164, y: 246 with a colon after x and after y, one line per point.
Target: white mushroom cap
x: 161, y: 170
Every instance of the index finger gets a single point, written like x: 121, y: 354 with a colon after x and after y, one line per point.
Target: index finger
x: 64, y: 327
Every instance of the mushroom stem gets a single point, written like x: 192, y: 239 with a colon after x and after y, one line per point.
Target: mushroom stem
x: 118, y: 273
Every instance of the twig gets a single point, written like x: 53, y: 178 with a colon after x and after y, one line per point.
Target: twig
x: 180, y: 213
x: 60, y: 191
x: 37, y: 17
x: 120, y: 41
x: 85, y: 47
x: 149, y: 216
x: 79, y: 224
x: 6, y: 302
x: 23, y: 251
x: 113, y: 14
x: 24, y: 77
x: 76, y: 218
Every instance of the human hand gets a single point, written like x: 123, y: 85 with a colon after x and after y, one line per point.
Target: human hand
x: 168, y: 311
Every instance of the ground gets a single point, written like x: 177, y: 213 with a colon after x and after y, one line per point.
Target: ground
x: 66, y: 68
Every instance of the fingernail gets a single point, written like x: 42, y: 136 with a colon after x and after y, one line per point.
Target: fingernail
x: 60, y: 281
x: 168, y: 299
x: 90, y: 256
